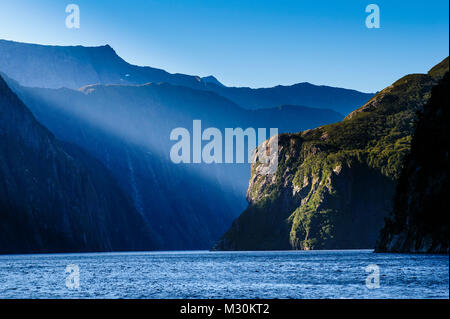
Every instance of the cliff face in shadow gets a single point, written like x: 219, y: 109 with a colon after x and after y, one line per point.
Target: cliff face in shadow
x: 334, y: 185
x: 56, y: 198
x: 420, y: 219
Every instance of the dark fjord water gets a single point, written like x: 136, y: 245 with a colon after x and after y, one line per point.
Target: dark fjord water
x: 299, y: 274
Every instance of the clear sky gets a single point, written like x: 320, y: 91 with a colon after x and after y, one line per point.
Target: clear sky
x: 249, y: 43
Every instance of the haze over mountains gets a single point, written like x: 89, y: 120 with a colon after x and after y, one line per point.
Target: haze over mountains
x: 55, y: 197
x: 125, y: 122
x: 85, y: 160
x: 128, y: 127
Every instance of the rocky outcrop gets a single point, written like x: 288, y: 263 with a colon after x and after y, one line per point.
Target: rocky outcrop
x: 334, y: 184
x: 420, y: 218
x: 54, y: 197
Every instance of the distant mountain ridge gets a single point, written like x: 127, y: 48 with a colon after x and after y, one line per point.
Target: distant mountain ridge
x: 324, y: 97
x: 73, y: 67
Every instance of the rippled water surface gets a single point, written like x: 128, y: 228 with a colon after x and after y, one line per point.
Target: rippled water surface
x: 201, y: 274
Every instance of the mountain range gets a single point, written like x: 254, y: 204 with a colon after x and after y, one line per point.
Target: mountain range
x: 85, y: 165
x: 126, y: 126
x: 73, y: 67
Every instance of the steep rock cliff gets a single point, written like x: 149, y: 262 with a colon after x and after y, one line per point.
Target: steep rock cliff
x: 54, y: 197
x: 419, y: 222
x: 334, y: 184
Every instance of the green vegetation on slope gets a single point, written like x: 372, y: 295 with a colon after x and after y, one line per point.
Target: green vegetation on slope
x: 334, y: 184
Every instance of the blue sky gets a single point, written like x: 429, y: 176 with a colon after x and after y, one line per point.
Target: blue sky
x: 249, y: 43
